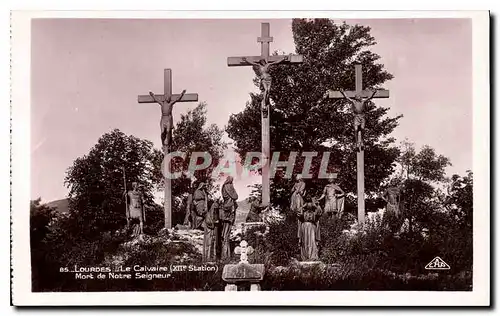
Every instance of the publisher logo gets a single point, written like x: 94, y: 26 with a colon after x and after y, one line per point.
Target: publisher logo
x: 437, y: 264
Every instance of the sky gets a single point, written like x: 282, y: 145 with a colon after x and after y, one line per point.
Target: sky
x: 86, y: 75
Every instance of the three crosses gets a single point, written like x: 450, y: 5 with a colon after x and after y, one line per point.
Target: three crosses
x: 167, y: 99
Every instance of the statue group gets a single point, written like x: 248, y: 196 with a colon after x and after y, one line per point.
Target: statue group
x: 309, y: 211
x: 216, y: 220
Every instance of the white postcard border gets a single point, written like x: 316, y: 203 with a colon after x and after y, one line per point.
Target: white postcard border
x: 20, y: 79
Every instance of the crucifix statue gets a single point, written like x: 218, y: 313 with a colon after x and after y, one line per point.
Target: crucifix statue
x: 358, y: 100
x: 166, y: 102
x: 262, y: 64
x: 265, y: 78
x: 166, y: 121
x: 358, y: 105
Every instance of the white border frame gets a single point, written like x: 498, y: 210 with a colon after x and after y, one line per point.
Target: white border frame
x: 20, y: 79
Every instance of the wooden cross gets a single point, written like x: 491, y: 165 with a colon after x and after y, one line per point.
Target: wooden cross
x: 361, y: 153
x: 243, y: 250
x: 165, y: 97
x: 264, y: 39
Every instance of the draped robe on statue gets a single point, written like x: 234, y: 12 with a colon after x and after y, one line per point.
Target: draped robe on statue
x: 309, y: 232
x: 227, y: 214
x: 210, y: 237
x: 297, y: 199
x: 200, y: 206
x: 333, y: 204
x: 189, y: 211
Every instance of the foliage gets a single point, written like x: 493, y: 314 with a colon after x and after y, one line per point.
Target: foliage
x: 96, y: 182
x: 192, y: 135
x: 40, y: 219
x: 303, y: 120
x: 353, y: 275
x: 425, y: 165
x: 420, y: 171
x: 385, y: 253
x: 460, y: 199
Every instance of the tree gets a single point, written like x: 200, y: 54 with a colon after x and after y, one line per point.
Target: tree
x: 460, y: 199
x: 96, y: 186
x: 419, y: 171
x: 40, y: 218
x: 425, y: 165
x: 192, y: 135
x: 302, y: 119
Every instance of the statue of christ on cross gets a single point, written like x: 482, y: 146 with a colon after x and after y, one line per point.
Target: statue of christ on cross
x: 166, y: 121
x: 359, y: 108
x: 265, y: 78
x: 262, y: 65
x: 358, y: 105
x: 166, y: 102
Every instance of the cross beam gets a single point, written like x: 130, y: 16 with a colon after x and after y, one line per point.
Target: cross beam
x: 165, y: 97
x: 380, y: 94
x: 360, y: 156
x: 264, y: 40
x: 167, y: 92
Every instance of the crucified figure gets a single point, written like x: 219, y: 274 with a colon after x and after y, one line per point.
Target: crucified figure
x: 265, y: 78
x: 358, y: 106
x: 166, y: 122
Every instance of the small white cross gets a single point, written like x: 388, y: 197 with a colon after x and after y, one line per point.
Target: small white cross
x: 243, y: 250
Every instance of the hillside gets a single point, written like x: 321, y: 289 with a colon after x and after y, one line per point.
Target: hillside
x: 61, y: 206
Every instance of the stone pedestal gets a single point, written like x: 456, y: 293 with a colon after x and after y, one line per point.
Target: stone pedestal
x: 231, y: 287
x: 255, y: 287
x: 242, y: 273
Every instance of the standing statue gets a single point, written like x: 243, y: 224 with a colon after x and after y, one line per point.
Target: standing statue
x: 297, y: 199
x: 190, y: 211
x: 228, y: 215
x: 309, y: 232
x: 167, y: 121
x: 358, y: 106
x: 392, y: 216
x: 334, y: 202
x: 298, y: 190
x: 135, y: 212
x: 262, y: 67
x: 392, y: 196
x: 210, y: 236
x: 200, y: 199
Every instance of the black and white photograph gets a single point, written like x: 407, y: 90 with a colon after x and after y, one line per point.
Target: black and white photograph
x: 320, y: 153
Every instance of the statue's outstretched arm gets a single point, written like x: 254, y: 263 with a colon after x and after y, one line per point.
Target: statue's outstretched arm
x: 250, y: 62
x: 154, y: 97
x: 284, y: 58
x: 345, y: 96
x: 323, y: 195
x: 373, y: 94
x: 180, y: 97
